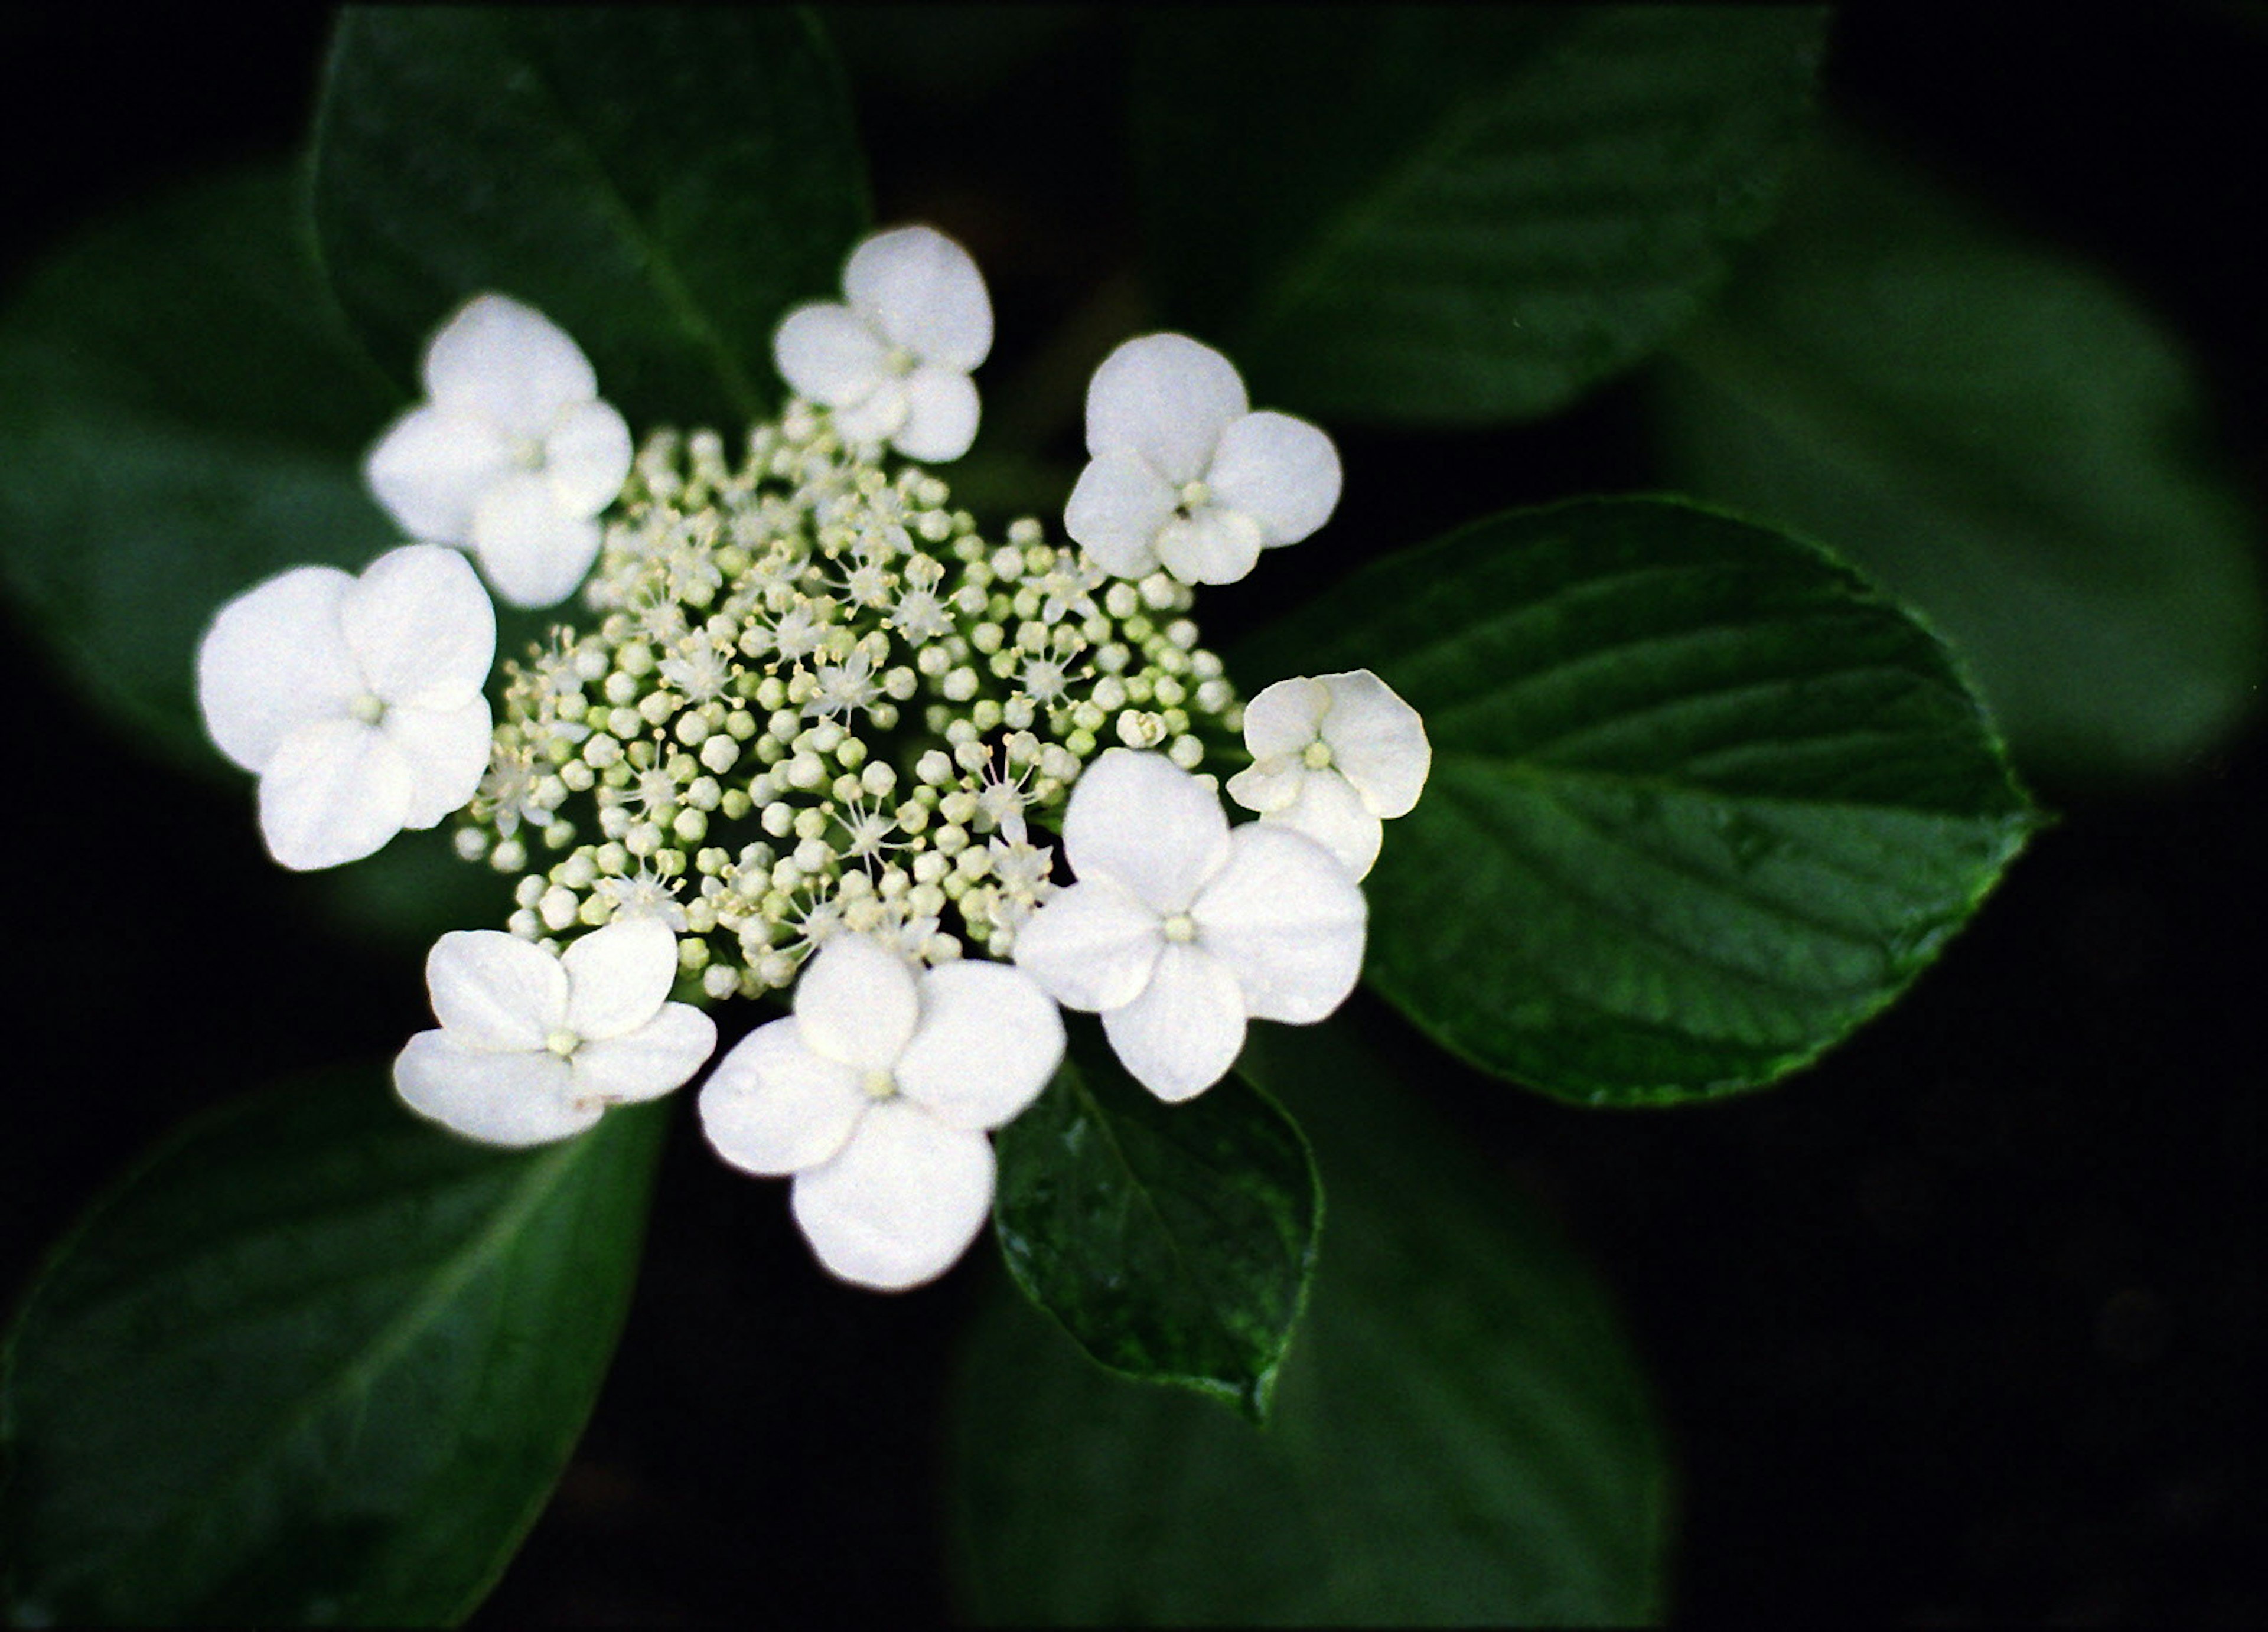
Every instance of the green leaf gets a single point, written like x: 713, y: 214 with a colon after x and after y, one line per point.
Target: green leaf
x: 1173, y: 1241
x: 168, y: 438
x: 2003, y: 435
x: 663, y: 183
x: 1703, y: 800
x: 1461, y: 1436
x: 314, y: 1361
x: 1457, y: 215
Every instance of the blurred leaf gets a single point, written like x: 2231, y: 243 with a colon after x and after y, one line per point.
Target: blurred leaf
x: 662, y: 182
x: 1457, y: 215
x: 1703, y: 800
x: 314, y: 1361
x: 180, y: 418
x: 1173, y: 1241
x: 1461, y: 1436
x: 2001, y: 434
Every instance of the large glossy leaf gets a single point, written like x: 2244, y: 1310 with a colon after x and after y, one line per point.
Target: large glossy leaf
x: 663, y: 182
x: 1461, y: 1436
x: 314, y: 1361
x: 180, y: 417
x: 1703, y: 800
x: 1173, y: 1241
x: 1462, y: 214
x: 2004, y: 436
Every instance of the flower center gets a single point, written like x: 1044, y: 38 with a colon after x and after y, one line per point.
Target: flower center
x: 1195, y: 495
x: 880, y: 1085
x: 369, y: 708
x: 1179, y: 929
x: 562, y: 1042
x: 899, y: 361
x: 1316, y: 756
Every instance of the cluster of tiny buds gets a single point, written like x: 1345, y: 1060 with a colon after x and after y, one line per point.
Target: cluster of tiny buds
x: 816, y: 698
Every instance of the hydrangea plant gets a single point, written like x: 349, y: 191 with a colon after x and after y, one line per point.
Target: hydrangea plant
x: 939, y: 855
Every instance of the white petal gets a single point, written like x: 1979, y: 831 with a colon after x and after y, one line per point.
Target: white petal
x: 901, y: 1204
x: 1287, y: 918
x: 1282, y: 472
x: 1285, y: 717
x: 494, y: 992
x: 275, y: 659
x: 828, y: 353
x: 1117, y: 510
x: 1148, y: 825
x: 1268, y: 784
x: 772, y: 1107
x: 876, y: 417
x: 430, y: 469
x: 508, y: 363
x: 513, y: 1099
x: 421, y: 627
x: 1180, y: 1037
x: 925, y: 293
x: 1328, y: 810
x: 1167, y: 398
x: 333, y: 791
x: 1378, y: 741
x: 941, y: 412
x: 533, y: 552
x: 988, y: 1041
x: 619, y: 976
x: 856, y: 1000
x: 658, y: 1057
x: 1092, y: 946
x: 447, y: 751
x: 1214, y: 546
x: 587, y: 458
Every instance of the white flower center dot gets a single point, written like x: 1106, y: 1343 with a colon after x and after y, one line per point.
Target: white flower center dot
x: 1180, y: 927
x: 880, y: 1085
x: 562, y: 1042
x: 1195, y: 495
x: 369, y: 708
x: 1316, y: 756
x: 898, y: 360
x: 528, y: 452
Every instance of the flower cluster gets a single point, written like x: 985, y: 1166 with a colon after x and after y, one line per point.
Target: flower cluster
x: 819, y: 735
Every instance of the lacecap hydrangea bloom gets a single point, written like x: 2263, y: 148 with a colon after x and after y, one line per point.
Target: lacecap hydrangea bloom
x: 533, y: 1047
x: 1331, y: 756
x: 357, y: 702
x: 1180, y: 927
x: 1184, y: 475
x: 815, y: 736
x: 512, y: 457
x: 877, y: 1093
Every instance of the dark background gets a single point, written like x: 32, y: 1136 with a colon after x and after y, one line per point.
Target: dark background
x: 1962, y: 1325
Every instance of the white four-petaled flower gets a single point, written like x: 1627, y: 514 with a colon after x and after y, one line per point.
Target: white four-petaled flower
x: 533, y: 1048
x: 357, y: 702
x: 1330, y: 757
x: 1184, y: 475
x: 513, y: 456
x: 894, y: 363
x: 876, y: 1093
x: 1180, y: 930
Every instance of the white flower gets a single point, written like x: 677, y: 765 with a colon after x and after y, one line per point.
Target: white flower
x: 1331, y: 756
x: 894, y: 363
x: 533, y: 1048
x: 876, y: 1094
x: 1183, y: 476
x: 357, y: 702
x: 514, y: 456
x: 1179, y: 930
